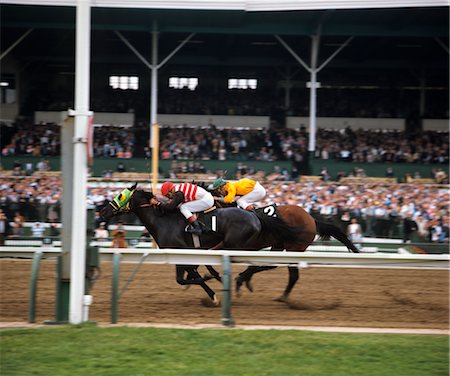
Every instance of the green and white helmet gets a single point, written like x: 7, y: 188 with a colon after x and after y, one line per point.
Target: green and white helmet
x: 218, y: 183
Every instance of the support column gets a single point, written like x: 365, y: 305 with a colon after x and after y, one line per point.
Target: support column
x: 313, y: 69
x: 227, y: 319
x: 154, y: 127
x: 79, y: 206
x: 313, y: 85
x: 154, y: 67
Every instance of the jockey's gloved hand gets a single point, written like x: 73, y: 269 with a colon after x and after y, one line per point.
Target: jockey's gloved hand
x: 154, y: 201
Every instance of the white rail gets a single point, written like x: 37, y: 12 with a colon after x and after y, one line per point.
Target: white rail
x: 203, y: 257
x: 209, y: 257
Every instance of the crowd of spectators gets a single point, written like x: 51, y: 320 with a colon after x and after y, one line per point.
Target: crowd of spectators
x: 44, y: 140
x: 331, y: 102
x: 183, y: 143
x: 34, y: 140
x: 380, y: 208
x: 291, y: 144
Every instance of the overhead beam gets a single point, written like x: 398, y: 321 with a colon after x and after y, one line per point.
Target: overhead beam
x: 243, y: 5
x: 20, y: 39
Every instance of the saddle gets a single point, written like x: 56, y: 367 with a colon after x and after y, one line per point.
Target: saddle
x: 205, y: 221
x: 269, y: 210
x: 208, y: 221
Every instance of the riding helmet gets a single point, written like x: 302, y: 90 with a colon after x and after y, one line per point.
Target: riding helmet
x: 166, y: 187
x: 218, y: 183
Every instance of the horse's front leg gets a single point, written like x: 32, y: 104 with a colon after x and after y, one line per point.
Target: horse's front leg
x: 246, y: 276
x: 214, y: 274
x: 194, y: 278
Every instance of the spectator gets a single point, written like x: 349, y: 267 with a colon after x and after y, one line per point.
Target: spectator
x: 389, y: 172
x: 409, y: 229
x: 422, y: 229
x: 354, y: 232
x: 118, y: 236
x: 101, y: 232
x: 145, y: 235
x: 38, y: 230
x: 19, y: 221
x: 439, y: 232
x: 54, y: 231
x: 324, y: 173
x: 4, y: 227
x: 120, y: 167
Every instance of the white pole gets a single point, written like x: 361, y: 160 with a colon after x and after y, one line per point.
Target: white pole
x: 154, y: 127
x: 79, y: 206
x: 312, y: 97
x: 154, y: 85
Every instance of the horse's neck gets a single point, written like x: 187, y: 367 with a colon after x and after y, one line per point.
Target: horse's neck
x: 149, y: 220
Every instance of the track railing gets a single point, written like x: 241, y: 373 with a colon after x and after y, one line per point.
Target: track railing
x: 227, y: 258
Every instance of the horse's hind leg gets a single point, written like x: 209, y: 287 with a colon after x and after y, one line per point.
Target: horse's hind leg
x: 329, y: 229
x: 214, y: 273
x: 246, y: 276
x: 293, y: 278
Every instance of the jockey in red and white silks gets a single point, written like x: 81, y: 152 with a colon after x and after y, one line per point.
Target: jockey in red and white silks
x: 189, y: 198
x: 196, y: 199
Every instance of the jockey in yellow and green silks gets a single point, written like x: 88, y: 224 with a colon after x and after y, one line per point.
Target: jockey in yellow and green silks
x: 247, y: 190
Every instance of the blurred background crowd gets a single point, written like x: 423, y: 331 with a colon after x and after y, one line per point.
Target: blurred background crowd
x: 183, y: 143
x: 381, y: 209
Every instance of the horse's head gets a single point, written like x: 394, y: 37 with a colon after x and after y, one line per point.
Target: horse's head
x: 127, y: 200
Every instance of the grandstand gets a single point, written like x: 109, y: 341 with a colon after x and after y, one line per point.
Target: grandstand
x: 378, y: 76
x: 234, y: 98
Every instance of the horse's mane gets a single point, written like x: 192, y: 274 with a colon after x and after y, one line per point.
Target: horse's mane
x: 147, y: 194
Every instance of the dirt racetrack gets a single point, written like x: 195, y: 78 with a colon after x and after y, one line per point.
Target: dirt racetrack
x: 379, y: 298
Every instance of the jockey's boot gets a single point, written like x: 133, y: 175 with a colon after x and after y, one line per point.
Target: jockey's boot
x: 194, y: 226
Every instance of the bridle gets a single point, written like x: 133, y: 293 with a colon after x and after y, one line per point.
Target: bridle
x: 122, y: 201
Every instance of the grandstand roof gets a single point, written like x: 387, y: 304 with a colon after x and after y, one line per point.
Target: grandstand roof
x: 242, y: 5
x: 230, y: 34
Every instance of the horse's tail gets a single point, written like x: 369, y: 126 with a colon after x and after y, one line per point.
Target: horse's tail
x: 278, y: 229
x: 326, y: 230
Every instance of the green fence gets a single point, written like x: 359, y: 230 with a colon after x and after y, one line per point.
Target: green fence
x: 334, y: 167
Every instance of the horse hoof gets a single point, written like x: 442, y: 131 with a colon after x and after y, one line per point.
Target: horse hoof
x: 216, y: 301
x: 249, y: 286
x: 207, y: 277
x: 281, y: 299
x: 238, y: 287
x: 186, y: 287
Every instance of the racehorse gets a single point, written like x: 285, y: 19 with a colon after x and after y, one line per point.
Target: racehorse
x: 287, y: 227
x: 235, y: 229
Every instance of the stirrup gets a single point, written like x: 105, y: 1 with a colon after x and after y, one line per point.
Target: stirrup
x: 192, y: 230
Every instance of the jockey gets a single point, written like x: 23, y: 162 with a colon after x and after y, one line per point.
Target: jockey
x: 188, y: 198
x: 249, y: 190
